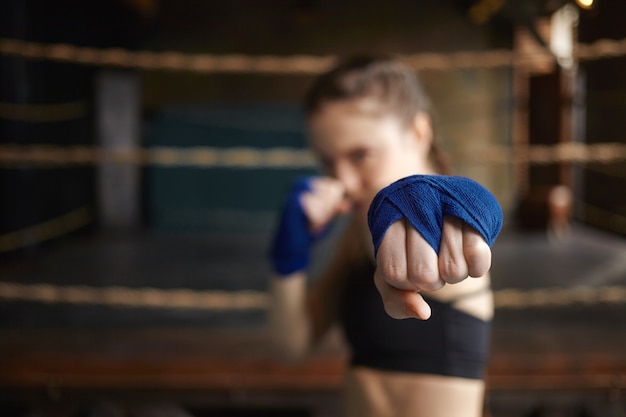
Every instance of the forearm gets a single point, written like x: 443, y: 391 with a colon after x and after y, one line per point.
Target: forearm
x: 289, y: 316
x: 299, y: 316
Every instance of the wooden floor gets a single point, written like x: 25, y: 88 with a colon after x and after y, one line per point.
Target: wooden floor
x: 556, y: 357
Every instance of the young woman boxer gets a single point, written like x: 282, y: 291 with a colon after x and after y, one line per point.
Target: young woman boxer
x: 408, y: 280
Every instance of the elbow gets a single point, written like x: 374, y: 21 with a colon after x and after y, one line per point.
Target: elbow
x: 289, y: 353
x: 289, y: 346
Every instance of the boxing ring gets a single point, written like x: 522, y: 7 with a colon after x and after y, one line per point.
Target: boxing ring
x: 96, y: 314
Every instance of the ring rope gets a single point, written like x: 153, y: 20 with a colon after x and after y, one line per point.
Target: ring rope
x: 559, y: 297
x: 217, y: 300
x: 238, y: 157
x: 247, y: 157
x: 148, y: 297
x: 270, y: 64
x: 47, y: 230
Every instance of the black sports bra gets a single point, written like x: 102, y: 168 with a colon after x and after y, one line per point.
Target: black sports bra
x: 451, y: 342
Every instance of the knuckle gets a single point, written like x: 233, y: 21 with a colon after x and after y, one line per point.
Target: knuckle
x: 474, y: 245
x: 423, y: 274
x: 432, y: 285
x: 478, y: 258
x: 394, y: 274
x: 452, y: 271
x: 480, y: 269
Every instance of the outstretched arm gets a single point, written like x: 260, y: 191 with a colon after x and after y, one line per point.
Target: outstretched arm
x: 429, y: 231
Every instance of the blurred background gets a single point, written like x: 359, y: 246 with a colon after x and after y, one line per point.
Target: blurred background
x: 146, y: 146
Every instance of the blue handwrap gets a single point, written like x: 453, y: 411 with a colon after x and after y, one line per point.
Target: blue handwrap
x: 425, y: 199
x: 292, y: 242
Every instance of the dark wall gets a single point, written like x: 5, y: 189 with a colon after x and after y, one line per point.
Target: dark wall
x: 603, y: 202
x: 32, y: 195
x: 289, y: 27
x: 50, y: 103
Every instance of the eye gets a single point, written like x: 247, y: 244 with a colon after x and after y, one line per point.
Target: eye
x: 358, y: 156
x: 327, y: 165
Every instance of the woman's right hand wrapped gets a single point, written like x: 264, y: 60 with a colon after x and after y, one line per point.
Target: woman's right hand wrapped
x: 311, y: 206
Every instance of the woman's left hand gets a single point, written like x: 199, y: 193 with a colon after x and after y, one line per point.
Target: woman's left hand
x: 407, y: 264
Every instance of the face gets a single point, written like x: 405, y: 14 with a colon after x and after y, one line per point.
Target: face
x: 367, y: 149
